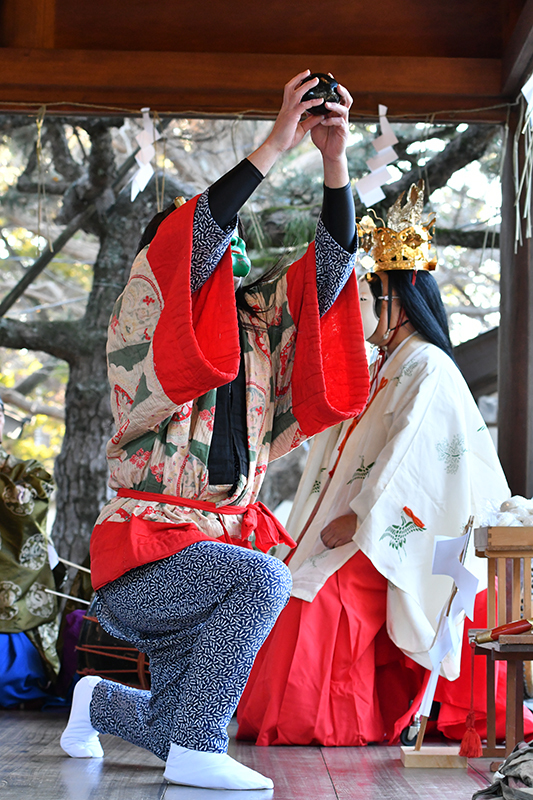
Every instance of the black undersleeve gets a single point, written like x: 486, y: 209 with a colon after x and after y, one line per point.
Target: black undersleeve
x: 338, y: 216
x: 232, y: 190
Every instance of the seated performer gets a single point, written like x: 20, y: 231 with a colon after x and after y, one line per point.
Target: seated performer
x: 346, y: 656
x: 28, y: 626
x: 206, y: 391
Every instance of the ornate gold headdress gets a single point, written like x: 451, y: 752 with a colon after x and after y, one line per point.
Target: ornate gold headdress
x: 405, y: 242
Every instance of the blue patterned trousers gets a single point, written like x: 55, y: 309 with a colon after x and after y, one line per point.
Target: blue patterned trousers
x: 200, y: 615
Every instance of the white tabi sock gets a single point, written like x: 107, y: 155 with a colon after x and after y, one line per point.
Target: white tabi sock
x: 211, y: 770
x: 79, y: 739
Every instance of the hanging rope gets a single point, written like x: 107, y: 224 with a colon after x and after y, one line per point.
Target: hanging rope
x: 159, y: 192
x: 430, y: 122
x: 27, y: 107
x: 41, y: 186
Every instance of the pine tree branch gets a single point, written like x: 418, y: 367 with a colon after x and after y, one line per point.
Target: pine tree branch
x: 465, y: 148
x: 64, y: 163
x: 67, y: 340
x: 30, y: 406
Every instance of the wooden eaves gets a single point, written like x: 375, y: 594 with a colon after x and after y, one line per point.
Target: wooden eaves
x: 204, y: 56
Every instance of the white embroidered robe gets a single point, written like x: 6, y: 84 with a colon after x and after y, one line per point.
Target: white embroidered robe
x: 418, y: 464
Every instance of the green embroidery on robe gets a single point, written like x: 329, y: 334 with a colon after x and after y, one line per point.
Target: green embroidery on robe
x: 361, y: 472
x: 282, y: 422
x: 140, y: 449
x: 320, y: 557
x: 129, y: 356
x: 397, y: 534
x: 143, y: 392
x: 276, y: 331
x: 451, y: 452
x: 317, y: 485
x: 407, y: 369
x: 199, y: 450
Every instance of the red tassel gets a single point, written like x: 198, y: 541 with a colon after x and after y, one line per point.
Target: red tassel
x: 471, y: 742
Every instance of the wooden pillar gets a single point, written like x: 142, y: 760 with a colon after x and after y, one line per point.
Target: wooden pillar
x: 515, y: 352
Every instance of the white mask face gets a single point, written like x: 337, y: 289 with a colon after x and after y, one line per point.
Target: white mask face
x: 368, y: 315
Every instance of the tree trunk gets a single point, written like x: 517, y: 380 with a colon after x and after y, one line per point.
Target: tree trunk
x: 81, y: 468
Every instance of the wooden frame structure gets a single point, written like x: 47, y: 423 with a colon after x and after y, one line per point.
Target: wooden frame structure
x: 508, y: 599
x: 460, y: 60
x: 205, y: 56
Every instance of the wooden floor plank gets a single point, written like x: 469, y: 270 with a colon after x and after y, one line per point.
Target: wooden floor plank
x: 32, y: 765
x: 482, y: 766
x: 299, y: 773
x: 376, y: 771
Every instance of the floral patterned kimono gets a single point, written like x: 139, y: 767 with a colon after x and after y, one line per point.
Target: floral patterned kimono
x: 167, y: 575
x: 419, y: 463
x: 416, y: 466
x: 27, y: 612
x: 25, y: 572
x: 168, y: 351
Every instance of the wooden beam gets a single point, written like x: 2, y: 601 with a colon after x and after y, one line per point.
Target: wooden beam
x: 452, y: 29
x: 28, y: 23
x: 515, y: 367
x: 236, y: 83
x: 518, y: 55
x: 510, y: 13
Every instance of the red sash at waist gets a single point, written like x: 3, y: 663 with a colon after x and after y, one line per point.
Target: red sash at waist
x: 256, y: 517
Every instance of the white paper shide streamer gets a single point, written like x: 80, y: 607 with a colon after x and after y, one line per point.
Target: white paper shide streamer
x: 369, y: 187
x: 448, y: 559
x: 523, y: 165
x: 145, y: 139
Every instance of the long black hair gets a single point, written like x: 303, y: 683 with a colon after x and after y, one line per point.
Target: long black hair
x: 240, y: 299
x: 151, y: 229
x: 422, y: 304
x: 272, y: 273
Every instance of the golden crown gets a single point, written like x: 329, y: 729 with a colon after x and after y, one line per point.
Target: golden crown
x: 405, y: 242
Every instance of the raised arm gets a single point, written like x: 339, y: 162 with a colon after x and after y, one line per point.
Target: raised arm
x: 229, y: 193
x: 336, y: 238
x: 218, y: 207
x: 331, y: 138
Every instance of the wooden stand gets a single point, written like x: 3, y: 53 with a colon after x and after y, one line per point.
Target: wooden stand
x: 433, y: 756
x: 514, y: 653
x: 513, y: 602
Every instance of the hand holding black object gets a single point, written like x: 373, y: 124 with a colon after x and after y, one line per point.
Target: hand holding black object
x: 294, y: 120
x: 331, y: 138
x: 325, y: 89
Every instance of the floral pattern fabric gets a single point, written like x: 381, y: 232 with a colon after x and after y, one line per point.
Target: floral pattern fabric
x: 171, y: 456
x: 25, y: 573
x: 164, y: 431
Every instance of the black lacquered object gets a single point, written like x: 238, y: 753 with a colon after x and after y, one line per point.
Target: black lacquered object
x: 326, y: 89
